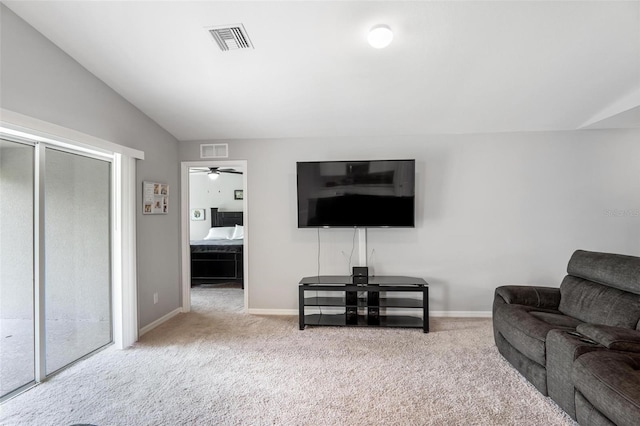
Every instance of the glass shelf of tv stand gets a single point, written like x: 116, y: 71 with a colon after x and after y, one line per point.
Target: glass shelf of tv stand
x: 336, y: 301
x: 340, y: 320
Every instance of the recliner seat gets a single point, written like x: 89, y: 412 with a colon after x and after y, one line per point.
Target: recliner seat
x: 544, y: 331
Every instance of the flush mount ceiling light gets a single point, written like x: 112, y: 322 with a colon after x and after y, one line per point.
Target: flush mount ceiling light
x: 380, y: 36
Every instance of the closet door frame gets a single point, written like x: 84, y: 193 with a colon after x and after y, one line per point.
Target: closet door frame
x: 40, y: 179
x: 19, y: 128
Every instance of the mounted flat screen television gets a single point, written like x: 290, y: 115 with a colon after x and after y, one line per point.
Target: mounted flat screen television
x: 377, y: 193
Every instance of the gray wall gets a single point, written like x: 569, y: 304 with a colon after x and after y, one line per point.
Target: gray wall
x: 492, y: 209
x: 39, y: 80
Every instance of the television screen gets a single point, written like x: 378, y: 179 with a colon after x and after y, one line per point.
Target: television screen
x: 377, y: 193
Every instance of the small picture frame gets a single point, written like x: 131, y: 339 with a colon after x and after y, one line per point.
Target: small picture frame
x: 155, y: 198
x: 238, y: 194
x: 197, y: 214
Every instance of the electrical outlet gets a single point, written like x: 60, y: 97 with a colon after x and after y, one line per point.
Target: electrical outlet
x: 155, y: 298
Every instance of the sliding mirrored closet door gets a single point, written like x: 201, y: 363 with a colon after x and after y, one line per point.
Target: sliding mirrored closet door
x: 55, y: 259
x: 77, y: 257
x: 16, y: 266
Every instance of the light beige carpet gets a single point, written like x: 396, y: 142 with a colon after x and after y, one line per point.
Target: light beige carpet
x: 218, y: 366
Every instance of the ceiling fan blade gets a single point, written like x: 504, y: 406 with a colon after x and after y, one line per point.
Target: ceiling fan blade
x: 214, y: 170
x: 199, y: 170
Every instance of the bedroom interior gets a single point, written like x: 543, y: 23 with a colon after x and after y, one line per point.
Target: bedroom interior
x: 523, y: 119
x: 216, y: 232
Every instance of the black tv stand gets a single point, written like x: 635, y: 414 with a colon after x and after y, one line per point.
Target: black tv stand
x: 333, y: 300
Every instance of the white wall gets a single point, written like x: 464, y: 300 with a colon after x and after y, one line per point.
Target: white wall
x: 492, y: 209
x: 39, y: 80
x: 205, y: 193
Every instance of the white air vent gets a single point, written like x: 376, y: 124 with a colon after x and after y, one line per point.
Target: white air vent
x: 231, y: 37
x: 218, y: 150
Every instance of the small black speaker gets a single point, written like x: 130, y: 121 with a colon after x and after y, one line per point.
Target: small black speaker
x: 360, y: 271
x: 357, y: 279
x: 351, y: 298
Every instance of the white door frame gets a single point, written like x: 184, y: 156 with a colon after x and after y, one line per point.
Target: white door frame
x: 184, y: 226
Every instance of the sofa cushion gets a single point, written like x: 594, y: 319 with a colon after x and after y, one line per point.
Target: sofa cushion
x: 612, y: 270
x: 610, y: 381
x: 526, y: 328
x: 556, y: 319
x: 598, y: 304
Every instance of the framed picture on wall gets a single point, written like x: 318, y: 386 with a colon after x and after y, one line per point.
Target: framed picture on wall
x: 155, y: 198
x: 238, y: 194
x: 197, y: 214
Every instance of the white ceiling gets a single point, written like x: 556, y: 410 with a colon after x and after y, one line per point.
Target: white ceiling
x: 453, y: 67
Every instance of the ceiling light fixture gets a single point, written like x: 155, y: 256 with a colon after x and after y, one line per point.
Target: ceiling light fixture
x: 213, y: 175
x: 380, y: 36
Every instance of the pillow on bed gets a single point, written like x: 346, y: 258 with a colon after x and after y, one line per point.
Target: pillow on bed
x: 238, y: 233
x: 220, y: 233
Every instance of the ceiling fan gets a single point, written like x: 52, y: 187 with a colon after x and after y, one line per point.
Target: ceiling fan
x: 214, y: 172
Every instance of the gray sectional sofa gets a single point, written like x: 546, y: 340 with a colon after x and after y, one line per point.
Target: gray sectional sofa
x: 579, y: 344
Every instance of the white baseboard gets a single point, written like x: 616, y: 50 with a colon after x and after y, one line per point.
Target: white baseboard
x: 460, y: 314
x: 272, y: 311
x: 159, y: 321
x: 448, y: 314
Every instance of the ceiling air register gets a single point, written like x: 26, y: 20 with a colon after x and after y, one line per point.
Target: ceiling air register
x: 231, y: 37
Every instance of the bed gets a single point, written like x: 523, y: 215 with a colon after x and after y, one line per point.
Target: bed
x: 219, y: 257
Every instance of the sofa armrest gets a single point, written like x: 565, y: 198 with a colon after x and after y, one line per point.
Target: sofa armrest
x: 538, y: 297
x: 614, y: 338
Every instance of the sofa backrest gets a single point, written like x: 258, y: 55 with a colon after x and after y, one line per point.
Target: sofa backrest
x: 602, y: 288
x: 613, y: 270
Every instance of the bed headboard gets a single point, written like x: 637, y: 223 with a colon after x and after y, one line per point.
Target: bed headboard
x: 225, y: 218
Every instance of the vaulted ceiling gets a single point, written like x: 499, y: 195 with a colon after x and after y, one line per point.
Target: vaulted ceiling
x: 453, y: 67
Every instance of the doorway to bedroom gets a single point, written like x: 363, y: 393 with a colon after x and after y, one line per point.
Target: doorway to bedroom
x: 214, y: 249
